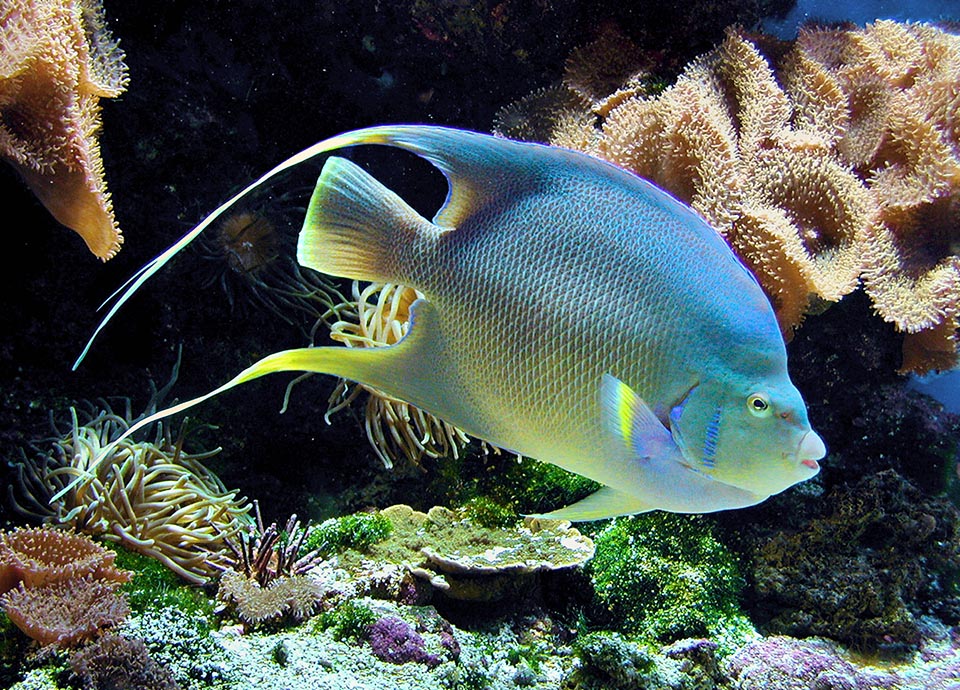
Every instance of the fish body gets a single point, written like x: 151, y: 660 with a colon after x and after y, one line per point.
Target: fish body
x: 573, y: 313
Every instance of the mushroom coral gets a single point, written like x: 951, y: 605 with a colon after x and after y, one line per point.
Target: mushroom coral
x: 59, y: 587
x: 57, y: 60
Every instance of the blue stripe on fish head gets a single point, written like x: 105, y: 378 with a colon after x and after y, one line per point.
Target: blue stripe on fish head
x: 710, y: 439
x: 747, y: 434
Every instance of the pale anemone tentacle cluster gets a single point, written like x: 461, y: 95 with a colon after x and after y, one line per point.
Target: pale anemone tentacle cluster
x: 377, y: 315
x: 149, y: 496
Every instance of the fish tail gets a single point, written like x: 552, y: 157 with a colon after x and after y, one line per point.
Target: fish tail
x: 357, y: 228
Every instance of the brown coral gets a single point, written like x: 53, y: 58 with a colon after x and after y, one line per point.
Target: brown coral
x: 120, y: 662
x: 725, y: 139
x: 37, y: 556
x: 57, y: 61
x: 59, y: 587
x: 67, y: 612
x: 902, y: 95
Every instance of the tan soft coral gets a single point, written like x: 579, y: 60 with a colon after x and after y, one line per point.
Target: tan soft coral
x: 835, y: 163
x: 727, y: 139
x: 39, y: 556
x: 902, y: 96
x: 56, y: 62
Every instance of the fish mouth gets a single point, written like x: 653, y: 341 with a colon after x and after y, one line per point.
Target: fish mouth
x: 810, y: 450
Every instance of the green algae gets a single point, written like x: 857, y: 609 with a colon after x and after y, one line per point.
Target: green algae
x: 664, y: 576
x: 348, y: 621
x: 154, y: 586
x: 487, y: 512
x: 357, y: 532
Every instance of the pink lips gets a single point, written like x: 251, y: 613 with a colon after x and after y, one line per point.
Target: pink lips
x: 811, y: 449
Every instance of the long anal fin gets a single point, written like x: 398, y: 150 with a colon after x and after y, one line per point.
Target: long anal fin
x: 604, y: 503
x: 402, y: 370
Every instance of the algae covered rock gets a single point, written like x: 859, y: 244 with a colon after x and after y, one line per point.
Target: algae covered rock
x: 881, y: 555
x: 451, y: 554
x: 667, y: 576
x: 610, y: 661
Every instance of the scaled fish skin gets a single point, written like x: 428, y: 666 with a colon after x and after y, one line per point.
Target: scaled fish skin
x: 573, y: 313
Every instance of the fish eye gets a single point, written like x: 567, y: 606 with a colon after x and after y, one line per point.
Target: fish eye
x: 759, y: 405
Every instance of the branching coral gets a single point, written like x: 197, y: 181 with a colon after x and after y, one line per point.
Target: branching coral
x: 149, y: 496
x: 837, y: 160
x: 57, y: 60
x: 120, y: 662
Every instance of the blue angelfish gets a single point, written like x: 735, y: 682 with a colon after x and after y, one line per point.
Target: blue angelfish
x: 572, y: 312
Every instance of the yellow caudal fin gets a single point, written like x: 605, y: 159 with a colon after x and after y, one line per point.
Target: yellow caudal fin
x: 357, y: 228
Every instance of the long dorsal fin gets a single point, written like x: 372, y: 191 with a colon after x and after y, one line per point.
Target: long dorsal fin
x: 470, y: 161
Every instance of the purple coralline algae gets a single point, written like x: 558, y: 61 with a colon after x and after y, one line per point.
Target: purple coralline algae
x: 787, y: 663
x: 395, y: 640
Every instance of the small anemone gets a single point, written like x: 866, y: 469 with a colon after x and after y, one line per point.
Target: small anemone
x: 251, y: 254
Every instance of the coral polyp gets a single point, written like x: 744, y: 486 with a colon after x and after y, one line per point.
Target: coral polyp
x: 251, y: 255
x: 249, y: 242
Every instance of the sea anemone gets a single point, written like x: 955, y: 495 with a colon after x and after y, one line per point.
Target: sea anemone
x: 379, y: 315
x: 150, y: 496
x: 251, y: 255
x: 266, y: 576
